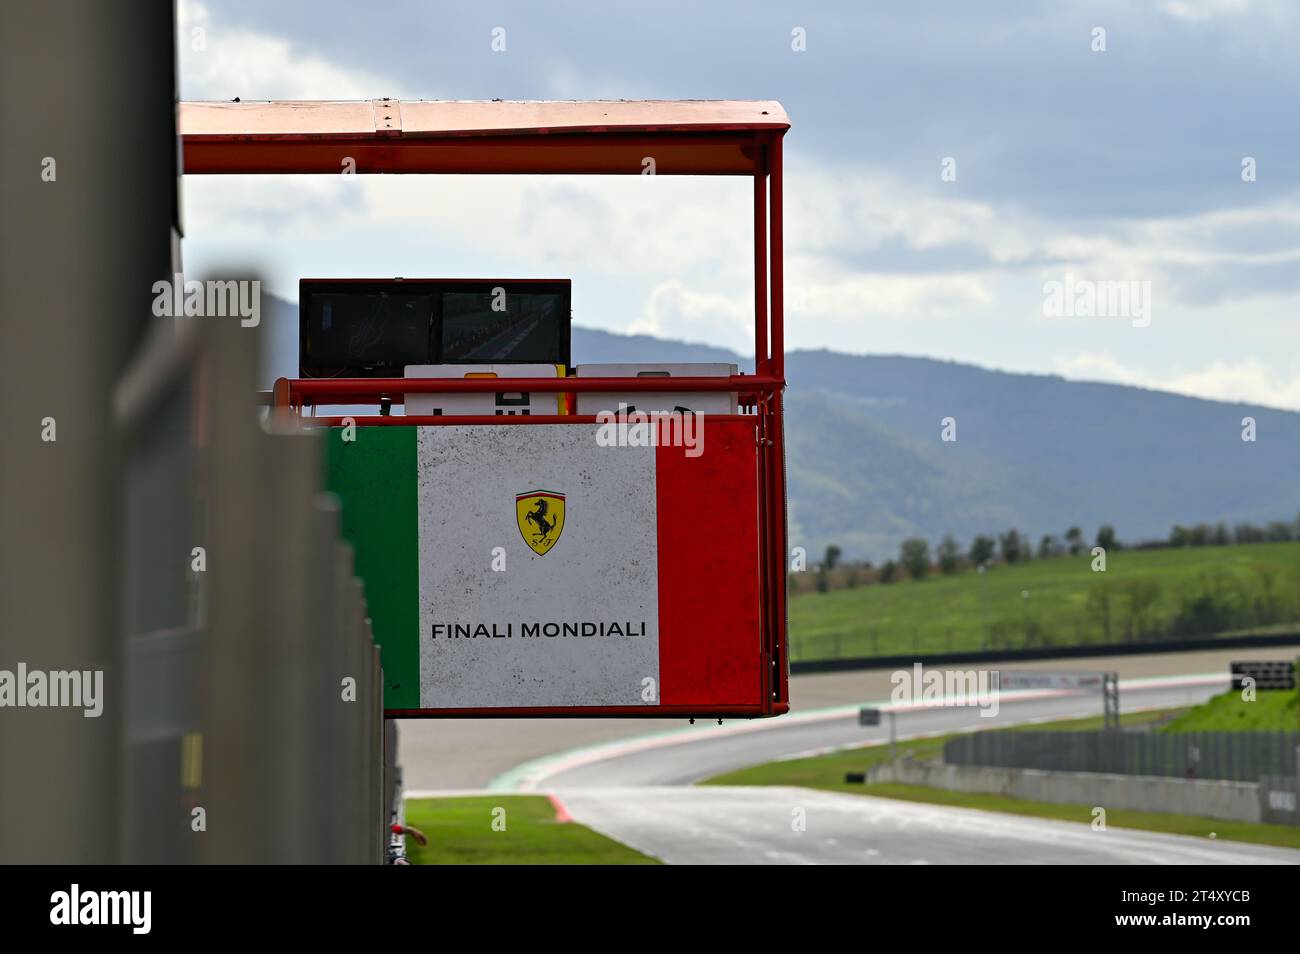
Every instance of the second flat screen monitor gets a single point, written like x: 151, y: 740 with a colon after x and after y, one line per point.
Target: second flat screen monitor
x: 483, y: 327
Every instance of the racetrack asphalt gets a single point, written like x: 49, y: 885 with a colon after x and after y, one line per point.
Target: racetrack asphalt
x: 633, y: 781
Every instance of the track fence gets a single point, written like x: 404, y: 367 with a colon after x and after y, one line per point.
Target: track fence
x: 1232, y: 756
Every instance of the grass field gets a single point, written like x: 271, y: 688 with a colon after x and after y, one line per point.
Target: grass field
x: 1142, y: 595
x: 1272, y: 710
x: 461, y: 832
x: 826, y: 772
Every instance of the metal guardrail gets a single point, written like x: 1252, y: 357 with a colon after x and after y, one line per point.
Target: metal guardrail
x: 242, y: 740
x: 801, y: 664
x: 128, y: 441
x: 1234, y: 756
x: 294, y: 742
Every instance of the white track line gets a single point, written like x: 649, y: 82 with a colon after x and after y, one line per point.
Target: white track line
x: 528, y: 776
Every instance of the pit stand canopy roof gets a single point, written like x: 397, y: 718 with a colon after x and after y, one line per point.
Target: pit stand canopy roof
x: 684, y: 137
x: 681, y: 137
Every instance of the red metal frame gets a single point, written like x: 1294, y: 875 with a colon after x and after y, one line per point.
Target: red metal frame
x: 602, y: 138
x: 588, y: 712
x: 366, y: 420
x: 299, y: 392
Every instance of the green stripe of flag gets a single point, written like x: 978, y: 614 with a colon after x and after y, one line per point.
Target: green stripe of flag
x: 375, y: 478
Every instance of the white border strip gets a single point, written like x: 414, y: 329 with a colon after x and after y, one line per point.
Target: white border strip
x: 527, y: 777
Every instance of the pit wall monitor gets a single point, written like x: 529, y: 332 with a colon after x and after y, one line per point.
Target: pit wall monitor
x: 370, y: 327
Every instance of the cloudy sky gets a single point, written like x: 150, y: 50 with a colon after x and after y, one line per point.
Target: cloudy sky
x: 1068, y: 162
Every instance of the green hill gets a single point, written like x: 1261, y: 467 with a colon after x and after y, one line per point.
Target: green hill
x: 1144, y: 595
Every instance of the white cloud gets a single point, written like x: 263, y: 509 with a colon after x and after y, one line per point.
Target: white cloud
x: 632, y: 225
x: 864, y: 211
x: 676, y: 312
x: 219, y: 62
x: 1248, y: 381
x: 675, y: 258
x: 269, y: 210
x: 1198, y: 10
x: 873, y: 261
x: 849, y: 299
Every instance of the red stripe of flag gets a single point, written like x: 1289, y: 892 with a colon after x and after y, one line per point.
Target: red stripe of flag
x: 710, y: 641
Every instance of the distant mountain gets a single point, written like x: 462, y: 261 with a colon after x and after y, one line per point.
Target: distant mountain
x: 867, y: 467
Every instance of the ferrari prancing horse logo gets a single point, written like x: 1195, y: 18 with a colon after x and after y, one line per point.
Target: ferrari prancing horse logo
x: 540, y: 514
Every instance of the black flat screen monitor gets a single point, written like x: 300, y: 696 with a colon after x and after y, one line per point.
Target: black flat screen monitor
x: 375, y: 327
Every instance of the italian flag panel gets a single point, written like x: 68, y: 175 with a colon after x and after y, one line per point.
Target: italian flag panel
x: 537, y: 567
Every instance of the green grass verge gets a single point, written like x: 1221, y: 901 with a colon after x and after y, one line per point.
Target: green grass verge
x: 1144, y: 594
x: 826, y: 772
x: 1273, y: 710
x: 460, y: 832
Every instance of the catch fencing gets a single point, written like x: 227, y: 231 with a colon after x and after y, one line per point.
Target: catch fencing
x: 1232, y: 756
x: 156, y: 537
x: 252, y: 682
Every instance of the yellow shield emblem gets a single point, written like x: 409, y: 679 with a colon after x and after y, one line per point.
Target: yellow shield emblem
x: 540, y: 514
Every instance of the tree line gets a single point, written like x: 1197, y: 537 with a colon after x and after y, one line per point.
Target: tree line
x: 916, y: 559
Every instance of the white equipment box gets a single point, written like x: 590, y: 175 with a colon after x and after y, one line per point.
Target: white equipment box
x: 499, y: 404
x: 701, y: 402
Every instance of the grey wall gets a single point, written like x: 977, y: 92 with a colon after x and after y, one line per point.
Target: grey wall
x: 1231, y: 801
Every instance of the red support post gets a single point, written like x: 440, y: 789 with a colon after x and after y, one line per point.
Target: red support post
x: 776, y: 512
x: 760, y: 270
x: 777, y: 367
x: 282, y: 399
